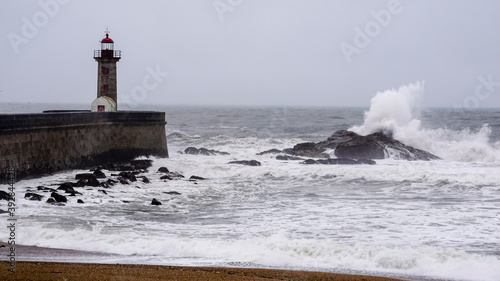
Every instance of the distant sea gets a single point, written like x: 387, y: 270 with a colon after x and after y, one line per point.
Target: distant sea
x: 409, y: 219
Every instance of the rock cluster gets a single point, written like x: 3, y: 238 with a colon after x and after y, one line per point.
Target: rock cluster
x: 349, y: 145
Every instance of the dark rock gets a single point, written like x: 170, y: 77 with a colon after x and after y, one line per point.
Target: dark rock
x: 103, y: 191
x: 51, y: 200
x: 270, y: 151
x: 80, y: 183
x: 58, y: 197
x: 338, y: 161
x: 309, y: 162
x: 99, y: 174
x: 104, y: 184
x: 171, y: 176
x: 374, y: 146
x: 111, y: 182
x: 125, y: 201
x: 93, y: 182
x: 172, y: 193
x: 203, y: 151
x: 155, y: 202
x: 123, y: 181
x: 192, y: 150
x: 367, y: 161
x: 90, y: 178
x: 80, y: 201
x: 288, y: 157
x: 141, y: 164
x: 194, y: 178
x: 4, y: 195
x: 246, y: 162
x: 163, y: 170
x: 67, y: 187
x: 128, y: 176
x: 33, y: 196
x: 307, y: 149
x: 85, y: 176
x: 145, y: 179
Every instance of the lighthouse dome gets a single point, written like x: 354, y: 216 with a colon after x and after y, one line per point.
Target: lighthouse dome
x: 107, y: 39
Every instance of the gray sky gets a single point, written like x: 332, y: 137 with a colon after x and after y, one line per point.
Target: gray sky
x: 253, y: 52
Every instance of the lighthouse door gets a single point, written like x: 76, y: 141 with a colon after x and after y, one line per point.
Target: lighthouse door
x: 101, y: 108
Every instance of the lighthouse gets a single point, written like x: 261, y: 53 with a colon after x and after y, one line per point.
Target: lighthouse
x: 106, y: 58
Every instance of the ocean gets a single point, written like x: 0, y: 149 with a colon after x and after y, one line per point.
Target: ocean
x: 409, y: 219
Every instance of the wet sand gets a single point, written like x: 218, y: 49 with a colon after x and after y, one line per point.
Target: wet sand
x: 81, y: 271
x: 36, y: 263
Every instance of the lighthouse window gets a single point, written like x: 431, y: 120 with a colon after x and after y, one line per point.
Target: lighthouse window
x: 105, y: 88
x: 105, y: 70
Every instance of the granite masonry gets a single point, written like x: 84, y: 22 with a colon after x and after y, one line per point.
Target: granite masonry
x: 43, y: 143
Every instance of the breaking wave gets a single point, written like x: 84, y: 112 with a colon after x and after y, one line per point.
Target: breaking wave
x: 396, y: 112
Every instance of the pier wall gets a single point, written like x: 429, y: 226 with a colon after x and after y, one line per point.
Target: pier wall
x: 43, y: 143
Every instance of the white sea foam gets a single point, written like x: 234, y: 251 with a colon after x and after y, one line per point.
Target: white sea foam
x: 276, y: 250
x: 396, y: 112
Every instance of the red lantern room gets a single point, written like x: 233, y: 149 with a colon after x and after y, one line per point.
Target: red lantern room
x: 107, y: 43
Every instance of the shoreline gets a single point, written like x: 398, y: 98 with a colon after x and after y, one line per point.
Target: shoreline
x: 91, y: 271
x: 40, y: 263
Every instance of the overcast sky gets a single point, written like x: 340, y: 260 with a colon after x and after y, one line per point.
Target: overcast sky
x: 253, y: 52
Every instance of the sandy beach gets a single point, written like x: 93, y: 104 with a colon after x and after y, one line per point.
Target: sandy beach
x: 81, y: 271
x: 37, y: 263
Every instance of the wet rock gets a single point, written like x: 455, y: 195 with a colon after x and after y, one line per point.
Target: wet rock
x: 374, y: 146
x: 90, y: 178
x: 99, y: 174
x: 270, y: 151
x: 33, y: 196
x: 103, y: 191
x: 246, y: 162
x: 80, y: 201
x: 288, y: 157
x: 194, y: 178
x: 58, y: 197
x: 171, y: 176
x: 4, y: 195
x: 104, y: 184
x: 51, y: 200
x: 45, y: 189
x: 128, y: 176
x: 85, y: 176
x: 163, y: 170
x: 67, y: 187
x: 338, y: 161
x: 367, y: 161
x: 155, y: 202
x: 123, y: 181
x: 93, y: 182
x: 172, y: 193
x: 145, y: 179
x: 203, y: 151
x: 80, y: 183
x: 307, y: 149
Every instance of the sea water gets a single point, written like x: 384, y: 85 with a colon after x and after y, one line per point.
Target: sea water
x: 412, y: 219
